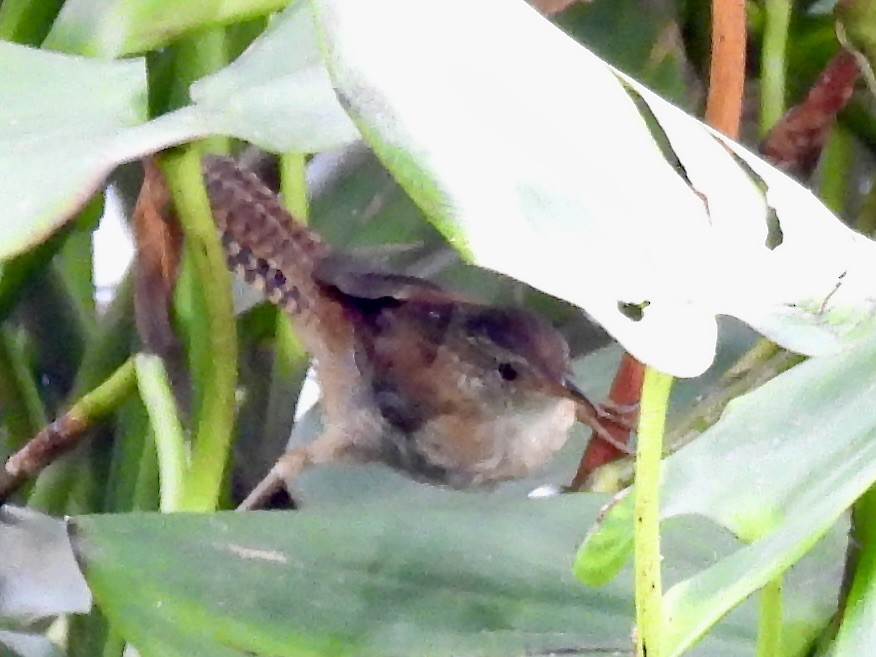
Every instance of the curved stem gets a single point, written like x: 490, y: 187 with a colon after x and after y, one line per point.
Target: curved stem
x: 215, y: 414
x: 170, y: 442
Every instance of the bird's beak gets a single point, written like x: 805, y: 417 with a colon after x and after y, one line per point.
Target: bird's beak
x: 587, y: 411
x: 567, y: 389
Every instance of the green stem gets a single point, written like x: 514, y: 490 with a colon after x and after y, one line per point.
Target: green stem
x: 13, y: 13
x: 170, y: 442
x: 773, y: 64
x: 198, y: 55
x: 759, y: 353
x: 104, y: 399
x: 836, y: 164
x: 769, y: 633
x: 649, y: 591
x: 215, y: 416
x: 293, y: 185
x: 857, y: 19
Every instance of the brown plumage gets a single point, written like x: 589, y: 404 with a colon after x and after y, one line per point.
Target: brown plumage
x: 446, y: 389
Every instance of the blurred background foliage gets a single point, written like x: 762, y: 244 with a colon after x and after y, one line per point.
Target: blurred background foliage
x: 60, y: 339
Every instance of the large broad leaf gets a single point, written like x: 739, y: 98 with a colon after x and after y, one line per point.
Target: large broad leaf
x: 66, y: 122
x: 59, y: 126
x: 779, y: 468
x: 531, y: 156
x: 447, y: 574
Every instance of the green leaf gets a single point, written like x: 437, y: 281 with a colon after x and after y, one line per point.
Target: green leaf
x: 460, y: 575
x: 453, y: 573
x: 64, y: 124
x: 68, y: 121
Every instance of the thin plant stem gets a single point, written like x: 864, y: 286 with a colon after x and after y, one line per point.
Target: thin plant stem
x: 293, y: 185
x: 215, y: 415
x: 197, y: 55
x: 773, y: 64
x: 170, y: 442
x: 836, y: 165
x: 769, y: 631
x: 727, y: 69
x: 649, y: 591
x: 124, y: 467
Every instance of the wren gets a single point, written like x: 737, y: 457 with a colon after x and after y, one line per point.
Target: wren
x: 443, y: 388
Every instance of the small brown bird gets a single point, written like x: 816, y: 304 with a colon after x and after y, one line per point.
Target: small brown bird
x: 445, y: 389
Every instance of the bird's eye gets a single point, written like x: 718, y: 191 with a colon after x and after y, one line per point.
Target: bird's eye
x: 507, y: 371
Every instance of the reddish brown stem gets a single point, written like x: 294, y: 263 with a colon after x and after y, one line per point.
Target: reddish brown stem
x: 58, y: 437
x: 727, y: 67
x: 625, y: 392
